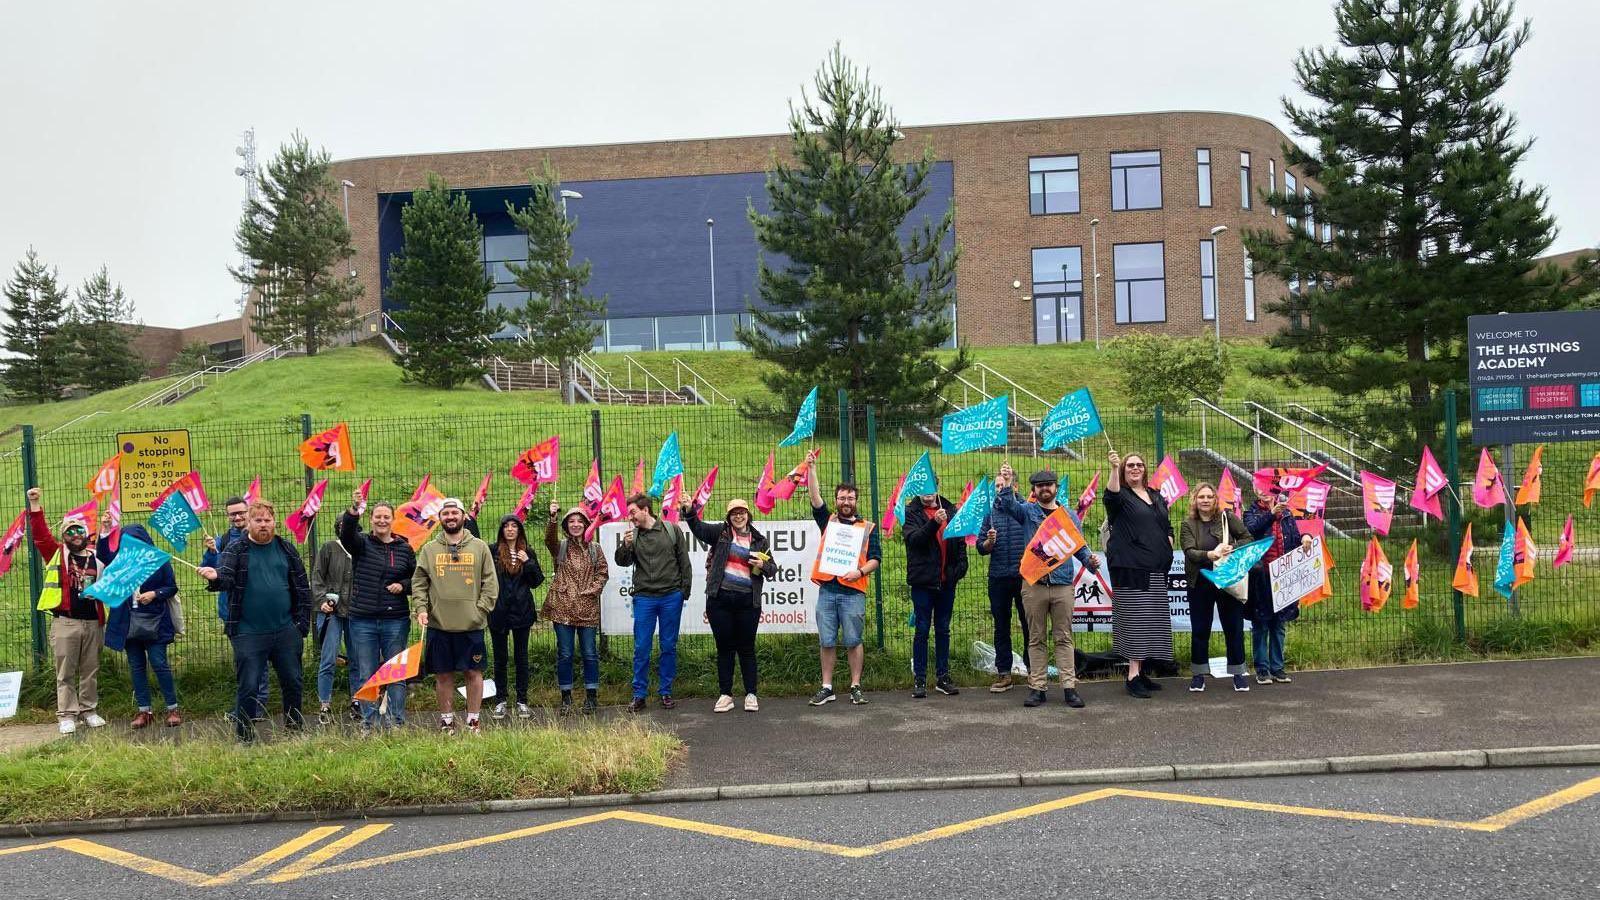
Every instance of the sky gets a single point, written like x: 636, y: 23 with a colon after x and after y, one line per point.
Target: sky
x: 121, y: 119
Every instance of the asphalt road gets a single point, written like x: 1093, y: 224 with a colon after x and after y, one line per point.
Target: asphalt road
x: 1435, y: 834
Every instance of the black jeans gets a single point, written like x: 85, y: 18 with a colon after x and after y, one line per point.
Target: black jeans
x: 734, y: 620
x: 520, y: 649
x: 252, y: 653
x: 1203, y: 598
x: 1004, y: 594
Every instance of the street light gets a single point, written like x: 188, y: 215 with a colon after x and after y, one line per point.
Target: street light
x: 1094, y: 257
x: 570, y: 396
x: 711, y: 246
x: 1216, y: 289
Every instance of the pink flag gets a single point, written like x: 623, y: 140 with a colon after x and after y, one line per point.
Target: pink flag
x: 1169, y: 481
x: 526, y: 502
x: 892, y: 511
x: 13, y: 539
x: 612, y: 507
x: 299, y: 521
x: 362, y: 493
x: 1228, y: 495
x: 538, y: 464
x: 638, y: 479
x: 1311, y: 499
x: 703, y: 495
x: 784, y: 487
x: 483, y: 490
x: 422, y: 488
x: 1267, y: 480
x: 1430, y: 481
x: 1488, y: 491
x: 765, y: 501
x: 253, y: 492
x: 593, y: 491
x: 1377, y: 501
x: 84, y: 515
x: 1086, y: 499
x: 669, y: 499
x: 972, y: 539
x: 1563, y: 550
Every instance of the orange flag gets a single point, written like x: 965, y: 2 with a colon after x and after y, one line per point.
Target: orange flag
x: 416, y: 518
x: 1413, y: 573
x: 1528, y: 491
x: 638, y: 480
x: 1377, y: 578
x: 105, y: 480
x: 1591, y: 483
x: 1327, y: 577
x: 1228, y: 494
x: 1055, y: 541
x: 329, y: 450
x: 1523, y: 555
x: 1466, y: 578
x: 403, y: 666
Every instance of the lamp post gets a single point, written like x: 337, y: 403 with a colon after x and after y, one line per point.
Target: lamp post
x: 1061, y: 324
x: 569, y: 395
x: 1094, y: 262
x: 1216, y: 289
x: 711, y: 248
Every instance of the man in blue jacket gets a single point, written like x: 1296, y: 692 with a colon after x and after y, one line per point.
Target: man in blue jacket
x: 236, y: 508
x: 1051, y: 598
x: 1002, y: 542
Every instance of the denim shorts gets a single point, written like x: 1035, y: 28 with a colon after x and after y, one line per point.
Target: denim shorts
x: 841, y: 616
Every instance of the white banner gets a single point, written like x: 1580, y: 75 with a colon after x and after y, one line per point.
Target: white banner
x: 788, y: 599
x: 1296, y: 574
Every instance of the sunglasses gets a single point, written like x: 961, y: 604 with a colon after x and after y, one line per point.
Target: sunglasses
x: 455, y: 555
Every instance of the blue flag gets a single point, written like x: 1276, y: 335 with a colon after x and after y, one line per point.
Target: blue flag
x: 1073, y: 419
x: 805, y: 421
x: 175, y: 520
x: 1505, y: 570
x: 669, y: 463
x: 969, y: 518
x: 135, y: 562
x: 976, y: 427
x: 920, y: 479
x: 1236, y: 565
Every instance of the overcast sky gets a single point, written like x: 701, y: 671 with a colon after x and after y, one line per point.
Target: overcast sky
x: 120, y: 118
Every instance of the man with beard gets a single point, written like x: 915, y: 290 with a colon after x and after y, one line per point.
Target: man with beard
x: 658, y: 551
x: 1052, y: 596
x: 453, y: 590
x: 77, y: 624
x: 841, y: 599
x: 236, y: 508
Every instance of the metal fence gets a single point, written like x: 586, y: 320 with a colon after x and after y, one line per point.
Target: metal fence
x: 873, y: 447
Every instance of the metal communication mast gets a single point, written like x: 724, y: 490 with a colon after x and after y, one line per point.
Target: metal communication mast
x: 247, y: 171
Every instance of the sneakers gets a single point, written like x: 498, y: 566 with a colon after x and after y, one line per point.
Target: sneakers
x: 1136, y: 688
x: 526, y: 712
x: 473, y: 725
x: 173, y: 718
x: 142, y: 720
x: 946, y: 687
x: 1263, y: 678
x: 566, y: 703
x: 919, y: 689
x: 355, y: 711
x: 637, y: 705
x: 724, y: 704
x: 499, y: 711
x: 1149, y: 683
x: 325, y: 715
x: 1197, y: 684
x: 93, y: 719
x: 751, y: 704
x: 857, y: 698
x: 823, y: 696
x: 1241, y: 683
x: 447, y: 726
x: 667, y: 702
x: 1070, y: 697
x: 1281, y: 677
x: 1035, y: 698
x: 68, y: 726
x: 1002, y: 685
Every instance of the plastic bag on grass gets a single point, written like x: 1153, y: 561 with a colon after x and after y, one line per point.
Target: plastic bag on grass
x: 983, y: 660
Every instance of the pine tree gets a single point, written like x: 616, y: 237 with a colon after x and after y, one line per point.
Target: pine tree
x: 35, y: 333
x: 1416, y: 160
x: 559, y: 321
x: 297, y: 236
x: 854, y: 305
x: 194, y: 356
x: 439, y: 285
x: 103, y: 331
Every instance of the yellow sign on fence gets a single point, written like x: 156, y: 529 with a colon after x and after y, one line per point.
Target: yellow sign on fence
x: 151, y: 461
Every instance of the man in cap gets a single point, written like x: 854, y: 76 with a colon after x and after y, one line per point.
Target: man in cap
x: 453, y: 590
x: 77, y: 623
x: 1052, y: 597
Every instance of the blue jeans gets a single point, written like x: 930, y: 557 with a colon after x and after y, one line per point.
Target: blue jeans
x: 932, y: 606
x: 137, y: 652
x: 252, y: 653
x: 374, y: 642
x: 1266, y: 646
x: 259, y: 709
x: 584, y: 636
x: 334, y: 634
x: 647, y: 612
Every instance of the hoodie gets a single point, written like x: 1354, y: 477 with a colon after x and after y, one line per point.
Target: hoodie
x: 455, y: 583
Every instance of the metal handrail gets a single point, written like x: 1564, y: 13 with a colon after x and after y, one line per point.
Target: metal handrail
x: 1357, y: 436
x: 984, y: 370
x: 599, y: 379
x: 704, y: 387
x: 649, y: 377
x: 1257, y: 433
x: 1352, y: 454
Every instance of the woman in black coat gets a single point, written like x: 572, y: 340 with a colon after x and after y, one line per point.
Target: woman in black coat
x: 517, y: 567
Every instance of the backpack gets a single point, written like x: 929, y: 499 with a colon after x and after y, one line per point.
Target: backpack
x: 594, y: 552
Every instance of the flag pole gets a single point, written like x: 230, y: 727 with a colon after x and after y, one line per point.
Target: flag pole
x: 176, y: 558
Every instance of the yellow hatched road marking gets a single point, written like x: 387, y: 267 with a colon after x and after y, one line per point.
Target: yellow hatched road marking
x: 1548, y: 803
x: 276, y: 854
x: 316, y: 858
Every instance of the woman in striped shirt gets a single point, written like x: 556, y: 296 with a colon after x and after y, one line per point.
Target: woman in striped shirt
x: 738, y: 563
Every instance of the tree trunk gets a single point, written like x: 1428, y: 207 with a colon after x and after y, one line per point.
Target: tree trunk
x: 1421, y: 390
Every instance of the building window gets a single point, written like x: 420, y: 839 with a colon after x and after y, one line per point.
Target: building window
x: 1052, y: 185
x: 1327, y: 232
x: 1136, y: 180
x: 1208, y: 280
x: 1141, y: 275
x: 1290, y: 188
x: 1249, y: 288
x: 1272, y: 183
x: 1244, y: 179
x: 1311, y: 219
x: 1202, y: 160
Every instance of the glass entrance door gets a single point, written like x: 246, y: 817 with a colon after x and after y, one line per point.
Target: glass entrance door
x: 1058, y: 319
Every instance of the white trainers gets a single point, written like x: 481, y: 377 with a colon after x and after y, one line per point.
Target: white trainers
x: 724, y: 704
x: 750, y: 704
x: 524, y: 711
x: 68, y: 726
x: 499, y: 711
x: 93, y: 720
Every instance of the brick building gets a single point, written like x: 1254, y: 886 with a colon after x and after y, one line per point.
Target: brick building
x: 1041, y: 207
x: 158, y: 345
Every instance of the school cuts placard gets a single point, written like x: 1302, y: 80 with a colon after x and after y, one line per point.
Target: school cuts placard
x: 1296, y: 574
x: 788, y: 599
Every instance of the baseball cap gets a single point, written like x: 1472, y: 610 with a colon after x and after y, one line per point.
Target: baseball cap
x: 448, y: 502
x: 736, y: 503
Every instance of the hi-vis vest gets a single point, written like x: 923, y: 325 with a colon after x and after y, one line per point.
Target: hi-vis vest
x: 50, y: 597
x: 859, y: 584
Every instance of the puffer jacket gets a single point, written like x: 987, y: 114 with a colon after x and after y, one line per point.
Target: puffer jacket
x: 374, y: 566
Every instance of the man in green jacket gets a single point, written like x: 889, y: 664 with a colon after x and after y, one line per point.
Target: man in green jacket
x: 453, y: 590
x: 662, y: 577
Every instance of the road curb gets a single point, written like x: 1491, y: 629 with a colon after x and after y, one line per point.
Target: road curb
x: 1502, y: 758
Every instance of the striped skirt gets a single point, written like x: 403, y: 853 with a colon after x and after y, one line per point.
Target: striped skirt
x: 1141, y: 619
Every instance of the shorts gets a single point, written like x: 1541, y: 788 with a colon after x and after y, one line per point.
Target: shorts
x: 841, y: 616
x: 453, y: 651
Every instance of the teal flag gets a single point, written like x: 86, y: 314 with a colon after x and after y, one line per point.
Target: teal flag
x: 920, y: 479
x: 175, y: 520
x: 1073, y: 419
x: 669, y: 463
x: 969, y: 518
x: 1236, y: 565
x: 805, y: 421
x: 135, y: 562
x: 976, y: 427
x: 1505, y: 570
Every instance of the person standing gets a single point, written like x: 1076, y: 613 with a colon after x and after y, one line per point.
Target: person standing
x: 141, y: 628
x: 1051, y: 598
x: 330, y: 587
x: 841, y: 599
x: 269, y: 614
x: 77, y: 624
x: 453, y: 590
x: 237, y: 509
x: 1206, y: 538
x: 934, y: 565
x: 1003, y: 543
x: 740, y: 561
x: 1270, y: 516
x: 381, y: 566
x: 1139, y: 555
x: 572, y: 604
x: 662, y: 577
x: 517, y: 573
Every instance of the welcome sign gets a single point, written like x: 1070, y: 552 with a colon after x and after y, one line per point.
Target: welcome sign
x: 1534, y: 377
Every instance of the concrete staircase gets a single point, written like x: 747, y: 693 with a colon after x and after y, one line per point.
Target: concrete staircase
x: 1344, y: 513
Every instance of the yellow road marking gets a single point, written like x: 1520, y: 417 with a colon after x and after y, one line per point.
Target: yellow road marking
x: 1318, y: 812
x: 135, y: 862
x: 1549, y: 802
x: 25, y: 848
x: 281, y: 852
x: 740, y: 834
x: 1038, y: 809
x: 316, y: 858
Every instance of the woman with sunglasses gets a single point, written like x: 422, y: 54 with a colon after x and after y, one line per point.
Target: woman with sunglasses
x: 1139, y: 555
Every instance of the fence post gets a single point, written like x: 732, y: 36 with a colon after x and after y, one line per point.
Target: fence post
x: 305, y: 434
x: 1161, y: 436
x: 1452, y: 461
x: 847, y: 459
x: 872, y: 496
x: 30, y: 479
x: 594, y: 445
x: 1507, y: 459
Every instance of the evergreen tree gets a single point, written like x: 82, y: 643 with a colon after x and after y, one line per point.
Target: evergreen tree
x: 297, y: 236
x: 853, y: 305
x: 1416, y: 160
x: 438, y: 282
x: 194, y: 356
x: 35, y: 333
x: 102, y: 334
x: 559, y: 321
